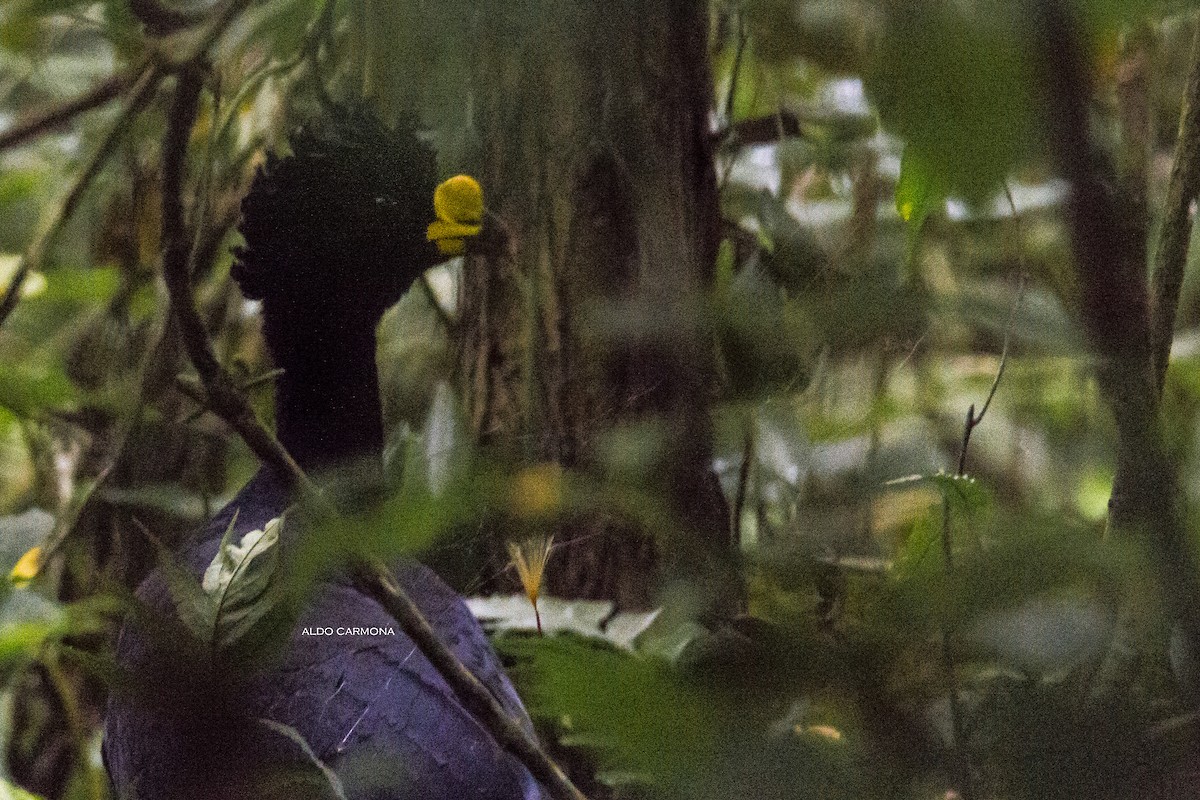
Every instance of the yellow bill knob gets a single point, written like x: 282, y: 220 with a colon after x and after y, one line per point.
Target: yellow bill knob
x: 458, y: 203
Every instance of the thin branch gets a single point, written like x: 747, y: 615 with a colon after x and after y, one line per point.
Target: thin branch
x: 743, y: 484
x: 759, y: 130
x: 50, y: 119
x: 973, y: 419
x: 231, y: 405
x: 375, y: 580
x: 222, y: 395
x: 961, y: 755
x: 161, y: 19
x: 1170, y: 258
x: 53, y: 225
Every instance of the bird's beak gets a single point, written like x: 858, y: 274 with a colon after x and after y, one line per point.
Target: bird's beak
x: 458, y: 204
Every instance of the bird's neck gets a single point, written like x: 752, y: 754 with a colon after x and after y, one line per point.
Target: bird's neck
x: 327, y: 408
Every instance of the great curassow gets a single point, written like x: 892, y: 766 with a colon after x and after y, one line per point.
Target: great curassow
x: 334, y: 234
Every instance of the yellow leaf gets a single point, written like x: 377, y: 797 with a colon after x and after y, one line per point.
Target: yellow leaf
x: 27, y: 567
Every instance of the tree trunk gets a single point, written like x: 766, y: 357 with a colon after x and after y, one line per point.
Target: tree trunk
x: 596, y: 152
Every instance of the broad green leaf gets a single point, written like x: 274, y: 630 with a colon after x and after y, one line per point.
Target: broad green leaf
x: 33, y: 385
x: 953, y: 80
x: 26, y: 620
x: 636, y: 714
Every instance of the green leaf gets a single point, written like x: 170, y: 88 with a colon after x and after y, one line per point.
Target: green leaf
x: 918, y: 192
x: 26, y: 620
x: 632, y: 709
x: 28, y: 387
x: 953, y: 80
x: 961, y: 490
x: 11, y: 791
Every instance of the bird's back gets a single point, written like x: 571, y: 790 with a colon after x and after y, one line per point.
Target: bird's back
x: 364, y: 699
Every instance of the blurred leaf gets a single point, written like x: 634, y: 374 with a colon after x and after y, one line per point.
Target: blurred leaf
x: 169, y: 498
x: 1046, y: 635
x: 868, y: 308
x: 953, y: 81
x: 81, y: 286
x: 793, y: 258
x: 1041, y: 323
x: 11, y: 791
x: 446, y: 443
x: 766, y: 342
x: 1042, y: 743
x: 833, y: 35
x: 277, y: 28
x: 918, y: 192
x: 1013, y: 560
x: 26, y: 620
x: 29, y: 387
x: 631, y: 709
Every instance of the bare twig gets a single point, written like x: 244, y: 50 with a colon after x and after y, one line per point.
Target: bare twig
x: 973, y: 419
x: 231, y: 405
x: 1170, y: 258
x: 53, y: 224
x: 51, y: 119
x: 962, y: 759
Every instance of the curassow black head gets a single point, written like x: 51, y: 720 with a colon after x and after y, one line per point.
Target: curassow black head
x: 341, y: 225
x: 335, y: 233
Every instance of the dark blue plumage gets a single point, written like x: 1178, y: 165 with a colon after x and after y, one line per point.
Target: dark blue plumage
x: 370, y: 707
